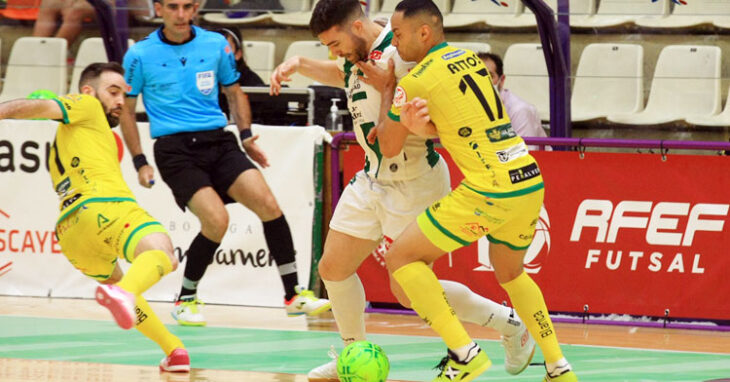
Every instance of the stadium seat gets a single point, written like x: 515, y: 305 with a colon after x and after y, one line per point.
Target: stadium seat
x: 609, y: 80
x: 90, y: 50
x: 312, y: 49
x: 526, y: 76
x: 482, y: 13
x: 21, y: 9
x: 686, y: 84
x: 388, y: 6
x: 35, y: 63
x: 477, y: 47
x: 259, y: 56
x: 223, y: 18
x: 614, y: 13
x: 722, y: 119
x: 295, y: 18
x: 693, y: 13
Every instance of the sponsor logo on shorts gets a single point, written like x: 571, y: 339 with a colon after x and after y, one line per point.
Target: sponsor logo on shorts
x: 474, y: 230
x: 512, y: 153
x: 524, y: 173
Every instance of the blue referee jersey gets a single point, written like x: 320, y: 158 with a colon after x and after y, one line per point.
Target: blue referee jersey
x: 179, y: 82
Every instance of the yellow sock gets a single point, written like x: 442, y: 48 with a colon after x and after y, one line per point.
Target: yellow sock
x: 530, y: 306
x: 147, y: 269
x: 429, y: 301
x: 150, y: 325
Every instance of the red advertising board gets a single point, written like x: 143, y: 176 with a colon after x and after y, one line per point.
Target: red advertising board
x: 621, y: 233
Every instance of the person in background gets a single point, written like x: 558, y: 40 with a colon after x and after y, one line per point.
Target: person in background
x: 524, y: 117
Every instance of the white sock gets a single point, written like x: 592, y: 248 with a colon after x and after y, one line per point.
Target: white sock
x: 466, y: 352
x: 558, y: 367
x: 476, y: 309
x: 348, y: 306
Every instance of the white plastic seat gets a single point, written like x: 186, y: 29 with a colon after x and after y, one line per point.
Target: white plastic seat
x: 613, y: 13
x: 609, y: 80
x: 481, y: 13
x: 692, y: 14
x: 259, y: 56
x: 91, y: 50
x: 388, y: 7
x: 35, y: 63
x: 686, y: 84
x: 722, y: 119
x: 476, y: 47
x: 526, y: 76
x: 290, y: 6
x: 298, y: 18
x: 311, y: 49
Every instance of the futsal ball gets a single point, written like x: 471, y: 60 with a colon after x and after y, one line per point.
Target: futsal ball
x: 42, y: 94
x: 363, y: 361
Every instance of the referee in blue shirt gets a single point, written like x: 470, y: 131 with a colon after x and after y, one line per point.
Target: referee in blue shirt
x: 177, y: 69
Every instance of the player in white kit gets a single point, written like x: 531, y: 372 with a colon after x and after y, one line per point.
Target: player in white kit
x: 388, y: 193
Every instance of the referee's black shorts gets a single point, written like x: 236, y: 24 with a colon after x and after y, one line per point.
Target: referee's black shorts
x: 190, y: 161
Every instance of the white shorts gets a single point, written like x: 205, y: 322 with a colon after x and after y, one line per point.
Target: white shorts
x: 370, y: 209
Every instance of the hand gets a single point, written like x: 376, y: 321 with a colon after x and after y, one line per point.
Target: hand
x: 381, y: 79
x: 282, y: 73
x: 146, y: 176
x: 372, y: 135
x: 254, y: 151
x: 414, y: 115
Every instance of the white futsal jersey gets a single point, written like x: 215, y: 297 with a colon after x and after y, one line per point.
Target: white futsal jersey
x: 418, y: 155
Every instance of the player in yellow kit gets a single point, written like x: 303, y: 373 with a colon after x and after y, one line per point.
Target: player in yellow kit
x: 99, y: 219
x: 449, y: 94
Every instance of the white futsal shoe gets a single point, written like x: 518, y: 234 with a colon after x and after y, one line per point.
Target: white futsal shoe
x: 326, y: 372
x: 187, y: 312
x: 518, y: 351
x: 304, y: 302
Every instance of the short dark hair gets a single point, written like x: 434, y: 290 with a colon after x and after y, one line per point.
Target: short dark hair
x: 416, y: 7
x: 94, y: 71
x: 330, y: 13
x: 495, y: 58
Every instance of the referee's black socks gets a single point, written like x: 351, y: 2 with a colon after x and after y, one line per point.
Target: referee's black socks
x: 278, y: 238
x: 200, y: 255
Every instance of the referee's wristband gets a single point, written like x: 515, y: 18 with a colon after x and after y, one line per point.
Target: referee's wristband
x: 139, y: 160
x: 245, y: 134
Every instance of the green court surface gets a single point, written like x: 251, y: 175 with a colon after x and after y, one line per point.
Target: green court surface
x: 412, y: 357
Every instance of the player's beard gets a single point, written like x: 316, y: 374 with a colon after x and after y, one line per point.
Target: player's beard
x: 361, y: 50
x: 113, y: 121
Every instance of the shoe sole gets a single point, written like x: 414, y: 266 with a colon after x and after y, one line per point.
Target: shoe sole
x: 320, y: 310
x: 478, y: 372
x: 529, y: 359
x: 187, y: 323
x: 121, y: 316
x: 176, y: 369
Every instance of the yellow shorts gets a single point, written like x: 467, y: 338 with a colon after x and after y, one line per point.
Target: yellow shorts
x: 466, y: 214
x: 97, y: 233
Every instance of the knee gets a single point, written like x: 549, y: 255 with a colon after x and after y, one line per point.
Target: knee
x: 506, y: 274
x: 329, y: 271
x: 269, y: 208
x: 173, y: 260
x: 113, y: 279
x: 214, y: 225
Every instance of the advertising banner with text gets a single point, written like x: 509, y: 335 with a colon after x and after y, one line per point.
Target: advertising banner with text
x: 31, y: 263
x: 620, y: 233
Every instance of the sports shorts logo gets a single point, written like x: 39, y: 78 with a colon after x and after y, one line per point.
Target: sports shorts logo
x: 205, y: 81
x: 524, y: 173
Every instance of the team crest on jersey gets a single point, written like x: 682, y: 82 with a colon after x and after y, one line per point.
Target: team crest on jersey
x: 465, y: 131
x: 399, y: 97
x: 375, y: 55
x: 205, y: 81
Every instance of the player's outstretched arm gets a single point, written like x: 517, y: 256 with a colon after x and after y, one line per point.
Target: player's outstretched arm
x: 323, y: 71
x: 31, y: 108
x: 130, y: 133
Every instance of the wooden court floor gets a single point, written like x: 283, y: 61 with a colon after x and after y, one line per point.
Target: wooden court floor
x: 44, y: 339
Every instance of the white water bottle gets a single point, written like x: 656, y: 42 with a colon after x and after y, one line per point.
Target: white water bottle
x: 334, y: 119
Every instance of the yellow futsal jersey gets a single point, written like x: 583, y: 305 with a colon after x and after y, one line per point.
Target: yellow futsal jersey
x: 471, y: 121
x: 83, y: 159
